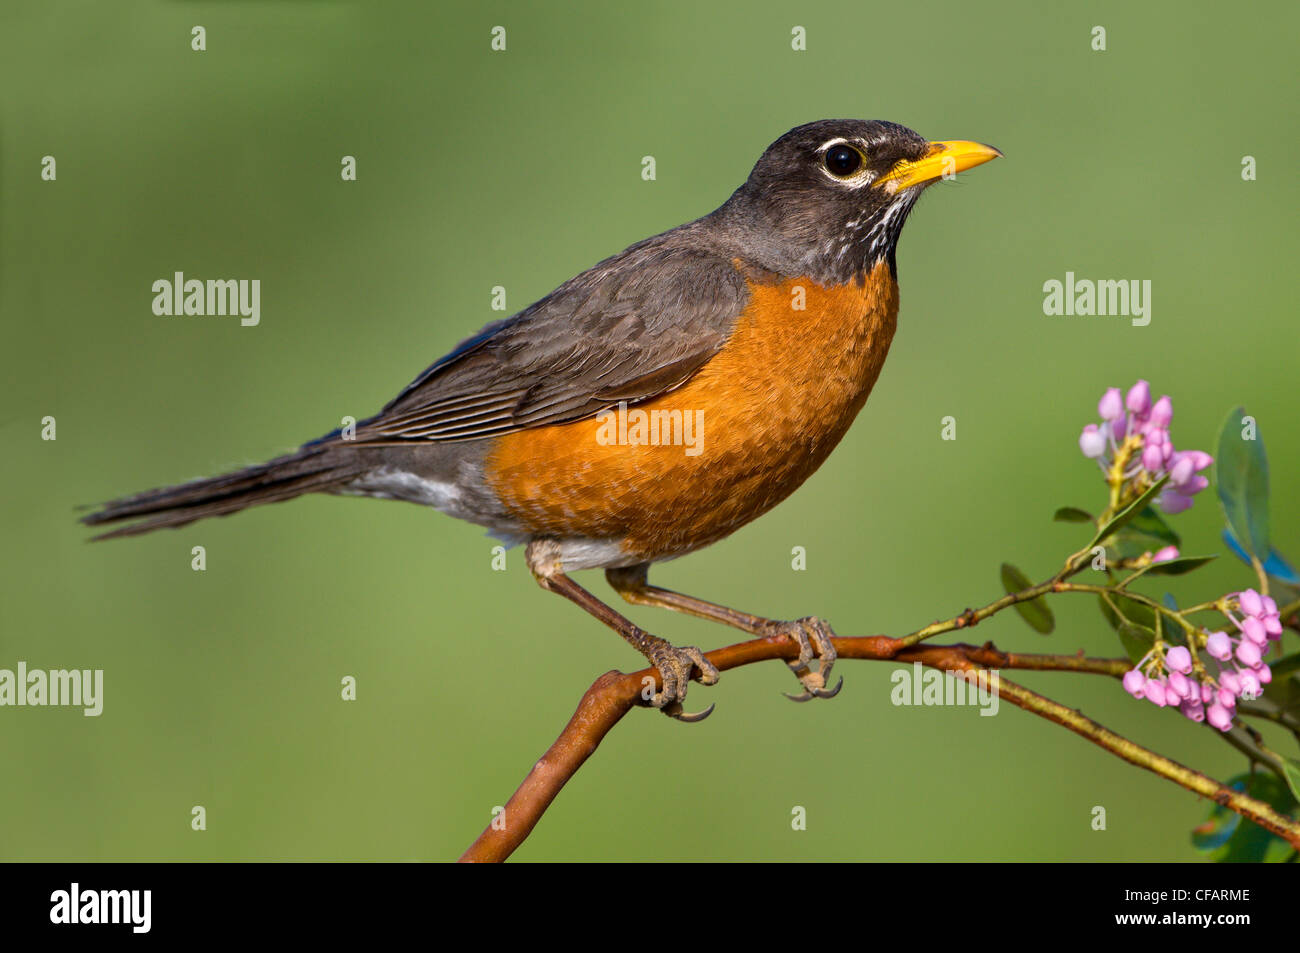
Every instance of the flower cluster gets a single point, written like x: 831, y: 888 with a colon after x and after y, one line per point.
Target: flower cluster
x: 1134, y: 433
x: 1201, y: 696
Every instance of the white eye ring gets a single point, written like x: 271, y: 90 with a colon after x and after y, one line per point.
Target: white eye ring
x: 860, y: 177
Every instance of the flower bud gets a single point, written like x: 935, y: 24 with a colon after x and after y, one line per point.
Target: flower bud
x: 1139, y: 398
x: 1171, y: 501
x: 1134, y: 682
x: 1248, y: 653
x: 1250, y: 602
x: 1179, y: 659
x: 1153, y: 459
x: 1219, y: 717
x: 1092, y: 442
x: 1162, y: 413
x: 1195, y: 712
x: 1111, y: 406
x: 1219, y: 646
x: 1254, y: 630
x: 1182, y: 471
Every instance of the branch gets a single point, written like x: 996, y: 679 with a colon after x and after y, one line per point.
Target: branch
x: 614, y: 694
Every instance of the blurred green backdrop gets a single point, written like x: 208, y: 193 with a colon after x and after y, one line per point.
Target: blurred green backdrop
x: 519, y: 169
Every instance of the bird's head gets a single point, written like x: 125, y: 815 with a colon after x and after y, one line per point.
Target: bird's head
x: 828, y: 199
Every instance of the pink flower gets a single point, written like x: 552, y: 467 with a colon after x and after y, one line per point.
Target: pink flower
x: 1092, y: 442
x: 1219, y: 717
x: 1219, y: 646
x: 1139, y: 399
x: 1179, y: 659
x: 1162, y: 414
x: 1154, y: 689
x: 1111, y: 406
x: 1254, y: 630
x: 1171, y: 501
x: 1251, y: 603
x: 1165, y: 555
x: 1248, y: 653
x: 1134, y: 682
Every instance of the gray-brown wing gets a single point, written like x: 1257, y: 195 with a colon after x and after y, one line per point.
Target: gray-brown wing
x: 635, y: 326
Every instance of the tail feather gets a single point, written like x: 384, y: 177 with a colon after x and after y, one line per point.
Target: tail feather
x: 312, y: 469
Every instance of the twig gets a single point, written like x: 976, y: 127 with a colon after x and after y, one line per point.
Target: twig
x: 614, y: 694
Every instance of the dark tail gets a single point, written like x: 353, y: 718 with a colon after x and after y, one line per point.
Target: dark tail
x: 312, y: 469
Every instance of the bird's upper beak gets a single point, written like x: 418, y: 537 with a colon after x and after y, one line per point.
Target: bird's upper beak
x: 942, y: 160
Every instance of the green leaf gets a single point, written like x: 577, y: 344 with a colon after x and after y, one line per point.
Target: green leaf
x: 1285, y: 666
x: 1179, y: 566
x: 1241, y: 472
x: 1128, y: 611
x: 1130, y: 512
x: 1291, y: 768
x: 1035, y: 611
x: 1136, y: 639
x: 1072, y: 514
x: 1229, y: 838
x: 1284, y: 691
x: 1152, y: 525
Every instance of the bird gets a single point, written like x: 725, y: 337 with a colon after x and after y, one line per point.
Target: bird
x: 653, y: 404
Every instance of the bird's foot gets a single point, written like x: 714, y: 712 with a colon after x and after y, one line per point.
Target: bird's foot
x: 677, y: 666
x: 813, y: 636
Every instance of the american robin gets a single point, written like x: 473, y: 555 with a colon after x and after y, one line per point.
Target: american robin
x: 653, y: 404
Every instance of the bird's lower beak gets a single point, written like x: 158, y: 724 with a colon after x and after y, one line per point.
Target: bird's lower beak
x: 943, y: 161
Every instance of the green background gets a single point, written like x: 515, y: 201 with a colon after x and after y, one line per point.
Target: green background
x: 520, y: 169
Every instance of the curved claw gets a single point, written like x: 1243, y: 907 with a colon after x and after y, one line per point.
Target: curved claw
x: 829, y: 692
x: 690, y: 717
x: 808, y: 694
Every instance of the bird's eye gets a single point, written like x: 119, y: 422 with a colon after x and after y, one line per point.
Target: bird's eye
x: 842, y: 161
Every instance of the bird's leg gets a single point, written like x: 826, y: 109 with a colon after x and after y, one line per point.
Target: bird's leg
x: 677, y: 666
x: 811, y: 634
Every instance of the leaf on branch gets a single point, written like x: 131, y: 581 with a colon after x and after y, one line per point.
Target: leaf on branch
x: 1291, y: 768
x: 1230, y: 838
x: 1149, y: 524
x: 1241, y: 474
x: 1136, y: 639
x: 1130, y: 512
x: 1035, y: 611
x: 1176, y: 567
x: 1072, y: 514
x: 1120, y: 609
x: 1284, y: 690
x: 1285, y: 666
x: 1276, y: 564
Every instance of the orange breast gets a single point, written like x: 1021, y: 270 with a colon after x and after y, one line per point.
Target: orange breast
x: 725, y: 447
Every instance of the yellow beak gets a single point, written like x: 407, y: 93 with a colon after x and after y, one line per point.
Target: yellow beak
x: 943, y: 160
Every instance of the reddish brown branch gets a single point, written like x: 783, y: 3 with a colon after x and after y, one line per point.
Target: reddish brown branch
x: 614, y: 694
